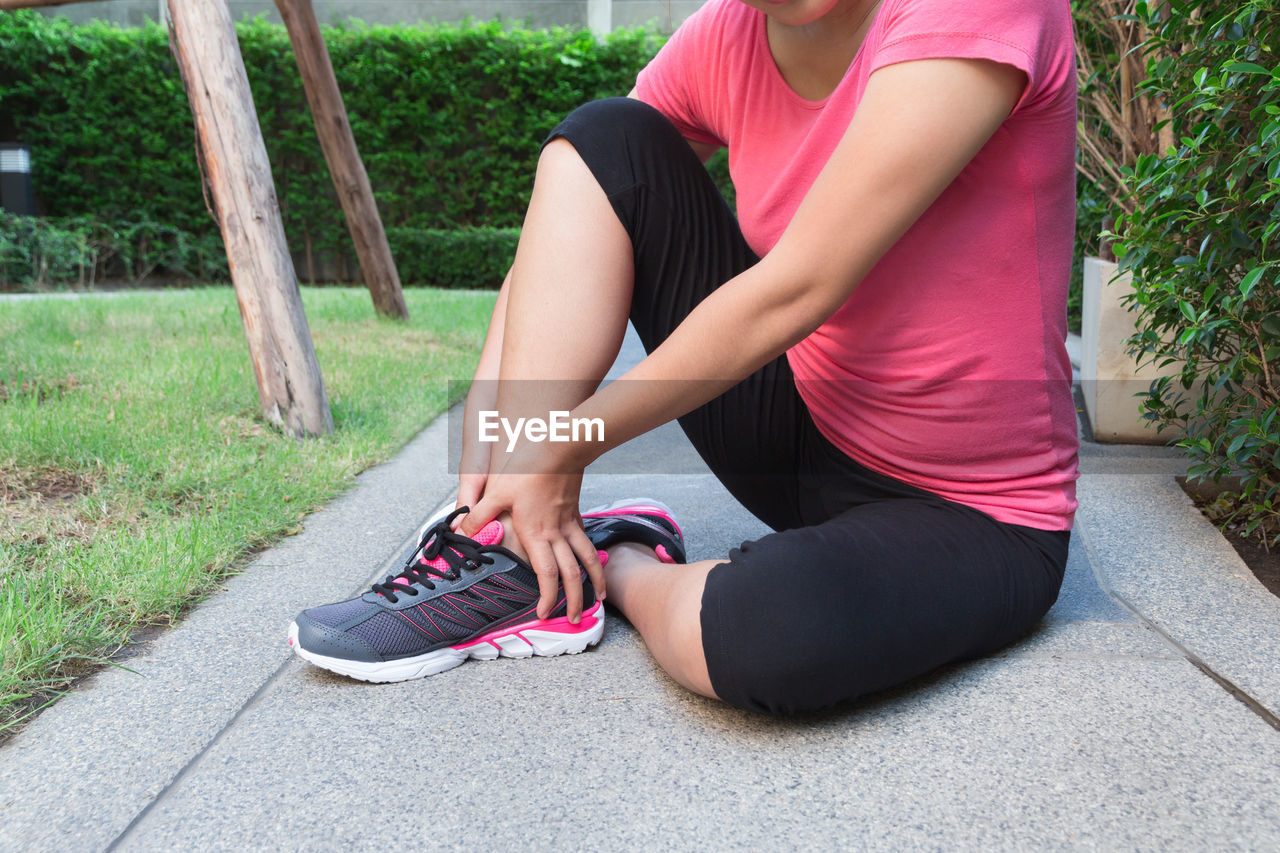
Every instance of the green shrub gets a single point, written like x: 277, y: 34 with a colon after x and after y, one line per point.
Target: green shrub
x: 448, y: 120
x: 1118, y: 122
x: 41, y: 253
x: 80, y: 251
x: 104, y: 111
x: 478, y: 257
x: 1093, y: 216
x: 1201, y: 243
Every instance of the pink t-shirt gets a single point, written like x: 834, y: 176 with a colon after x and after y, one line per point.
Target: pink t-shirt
x: 947, y: 367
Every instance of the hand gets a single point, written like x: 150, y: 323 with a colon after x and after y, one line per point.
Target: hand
x: 473, y: 473
x: 473, y: 466
x: 476, y: 456
x: 546, y: 524
x: 470, y: 490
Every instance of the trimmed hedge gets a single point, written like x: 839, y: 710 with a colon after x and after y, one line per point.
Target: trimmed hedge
x: 448, y: 119
x: 477, y: 257
x: 77, y: 252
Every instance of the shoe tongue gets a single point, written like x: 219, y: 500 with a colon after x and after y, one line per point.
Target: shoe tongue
x: 490, y: 534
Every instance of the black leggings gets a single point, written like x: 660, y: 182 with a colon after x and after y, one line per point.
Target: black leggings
x: 868, y: 582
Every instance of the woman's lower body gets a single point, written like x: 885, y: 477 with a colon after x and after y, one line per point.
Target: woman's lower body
x: 868, y: 582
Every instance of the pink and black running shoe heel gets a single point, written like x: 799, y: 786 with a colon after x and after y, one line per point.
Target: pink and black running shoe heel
x: 647, y: 522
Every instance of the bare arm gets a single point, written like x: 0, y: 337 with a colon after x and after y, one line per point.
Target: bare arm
x: 473, y: 467
x: 918, y: 125
x: 474, y: 464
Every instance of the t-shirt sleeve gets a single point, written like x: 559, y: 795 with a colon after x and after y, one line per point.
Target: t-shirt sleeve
x: 1012, y: 32
x: 669, y: 82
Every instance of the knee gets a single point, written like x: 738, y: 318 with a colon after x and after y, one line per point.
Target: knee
x: 614, y: 124
x: 625, y: 114
x: 560, y: 161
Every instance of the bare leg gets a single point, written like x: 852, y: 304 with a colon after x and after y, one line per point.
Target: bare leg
x: 664, y: 603
x: 567, y: 306
x: 570, y: 286
x: 567, y: 300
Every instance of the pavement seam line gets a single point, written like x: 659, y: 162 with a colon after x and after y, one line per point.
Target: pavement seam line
x: 1237, y: 693
x: 263, y: 689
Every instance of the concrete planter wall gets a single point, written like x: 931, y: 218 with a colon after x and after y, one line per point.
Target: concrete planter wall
x: 1109, y: 377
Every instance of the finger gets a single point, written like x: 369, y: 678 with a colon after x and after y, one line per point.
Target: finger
x: 484, y: 511
x: 470, y: 491
x: 590, y: 559
x: 571, y: 577
x: 543, y: 560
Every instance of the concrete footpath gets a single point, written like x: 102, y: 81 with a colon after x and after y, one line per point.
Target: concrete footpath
x: 1142, y: 714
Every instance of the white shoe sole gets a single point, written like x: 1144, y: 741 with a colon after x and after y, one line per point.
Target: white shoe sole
x: 517, y: 641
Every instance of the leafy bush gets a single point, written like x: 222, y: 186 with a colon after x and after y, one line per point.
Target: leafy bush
x: 1118, y: 122
x: 1201, y: 243
x: 79, y: 251
x: 448, y: 120
x: 1119, y: 119
x: 1094, y: 215
x: 478, y: 257
x: 29, y: 247
x: 41, y: 253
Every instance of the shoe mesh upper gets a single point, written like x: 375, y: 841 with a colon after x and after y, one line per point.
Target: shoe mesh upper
x: 390, y: 634
x: 438, y: 626
x: 331, y: 615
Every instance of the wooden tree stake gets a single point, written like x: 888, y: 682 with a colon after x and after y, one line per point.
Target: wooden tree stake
x: 345, y: 166
x: 284, y: 361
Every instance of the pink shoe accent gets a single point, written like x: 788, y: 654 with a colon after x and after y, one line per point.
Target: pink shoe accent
x: 561, y: 625
x: 661, y: 551
x: 490, y: 534
x: 635, y: 508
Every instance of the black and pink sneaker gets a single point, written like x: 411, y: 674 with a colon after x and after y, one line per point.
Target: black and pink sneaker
x: 457, y: 598
x: 641, y: 520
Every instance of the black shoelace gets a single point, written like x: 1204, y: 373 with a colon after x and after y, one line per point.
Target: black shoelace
x: 440, y: 541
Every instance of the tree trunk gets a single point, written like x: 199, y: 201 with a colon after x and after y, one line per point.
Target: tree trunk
x: 345, y: 167
x: 235, y: 158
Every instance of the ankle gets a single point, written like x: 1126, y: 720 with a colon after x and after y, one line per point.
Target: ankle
x: 625, y: 555
x: 509, y: 540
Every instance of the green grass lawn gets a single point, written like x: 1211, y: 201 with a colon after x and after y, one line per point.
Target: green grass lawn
x: 135, y: 466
